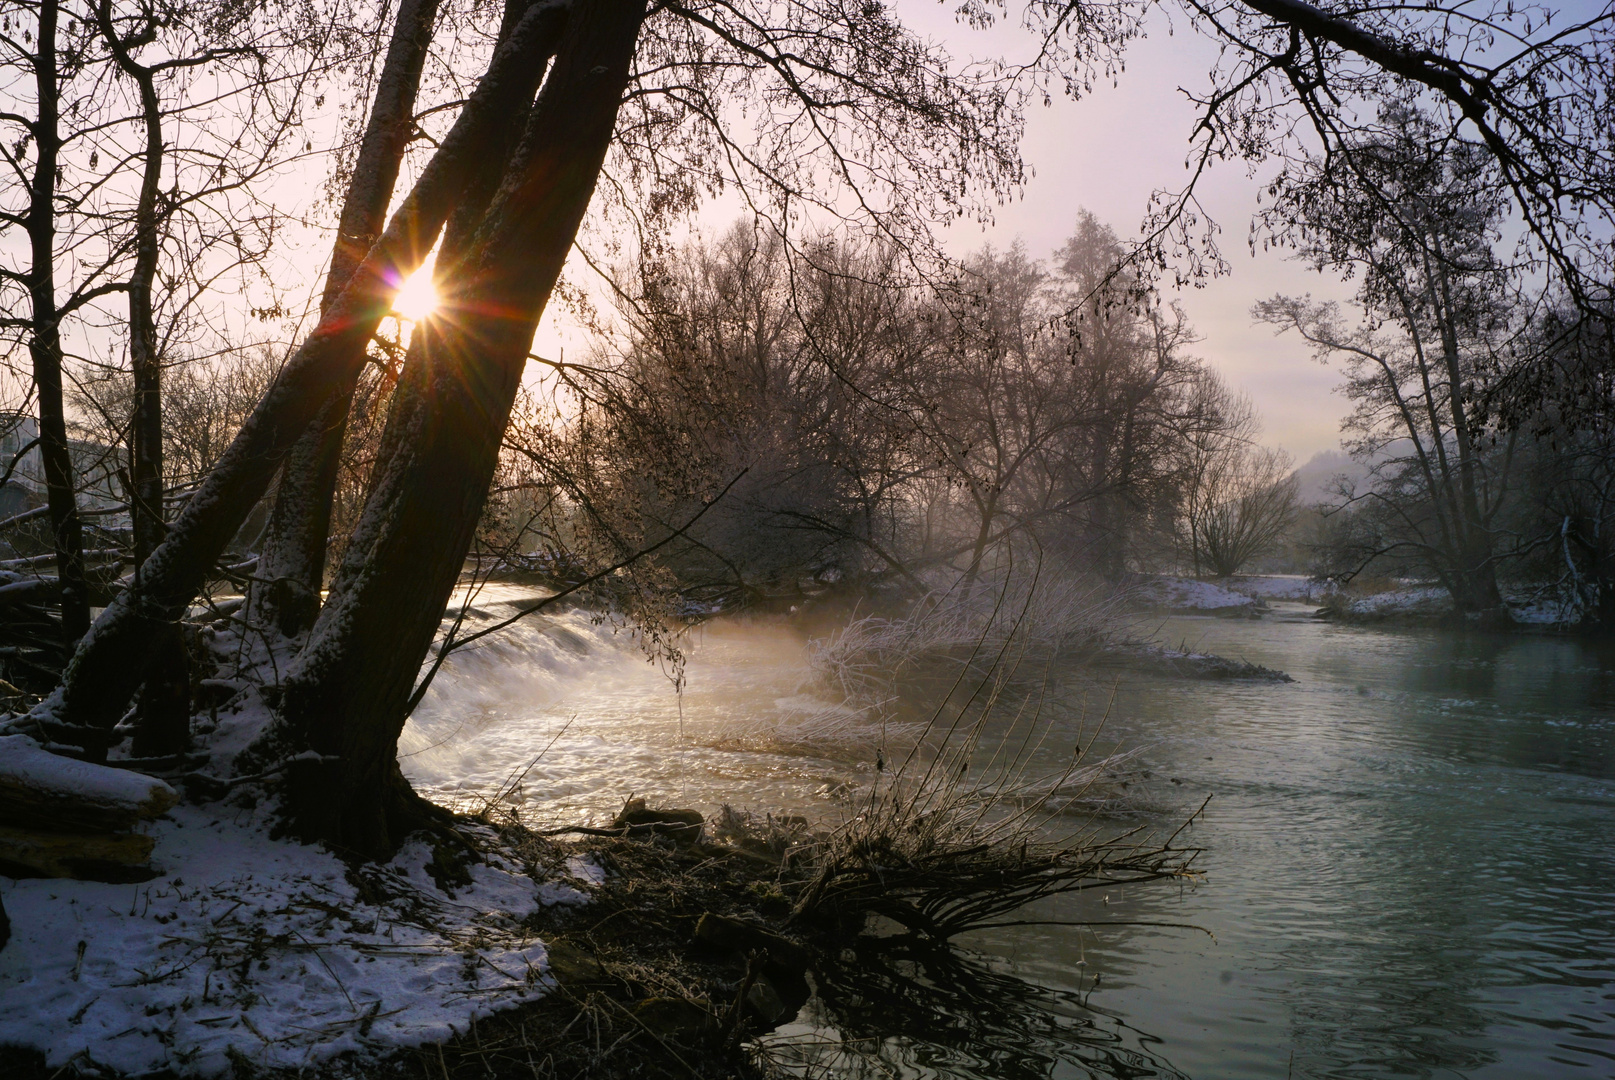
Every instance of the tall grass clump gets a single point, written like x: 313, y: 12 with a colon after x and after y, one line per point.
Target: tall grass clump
x: 1045, y: 613
x: 971, y: 823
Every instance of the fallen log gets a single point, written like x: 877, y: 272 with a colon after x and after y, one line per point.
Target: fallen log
x: 29, y: 591
x: 45, y: 791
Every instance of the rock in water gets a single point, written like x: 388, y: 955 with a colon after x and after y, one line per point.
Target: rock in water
x: 765, y: 1002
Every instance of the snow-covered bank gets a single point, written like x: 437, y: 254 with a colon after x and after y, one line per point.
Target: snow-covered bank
x: 1423, y: 604
x: 1188, y: 596
x: 1296, y: 588
x: 264, y: 951
x: 1431, y: 605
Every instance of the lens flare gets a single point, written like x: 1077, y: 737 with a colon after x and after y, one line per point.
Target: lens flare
x: 417, y: 297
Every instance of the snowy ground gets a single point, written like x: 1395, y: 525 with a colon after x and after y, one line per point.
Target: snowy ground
x: 1187, y: 595
x: 1422, y: 601
x: 1294, y: 587
x: 249, y: 948
x: 1544, y: 607
x: 1431, y: 603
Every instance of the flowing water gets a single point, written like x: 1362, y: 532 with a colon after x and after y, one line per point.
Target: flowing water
x: 1409, y: 854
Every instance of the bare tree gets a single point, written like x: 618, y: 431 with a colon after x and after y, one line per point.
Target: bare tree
x: 291, y: 568
x: 160, y: 127
x: 1526, y: 86
x: 1238, y: 498
x: 742, y: 357
x: 1132, y: 369
x: 1438, y: 318
x: 42, y: 132
x: 1246, y: 507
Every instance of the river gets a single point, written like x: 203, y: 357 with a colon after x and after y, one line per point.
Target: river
x: 1409, y: 852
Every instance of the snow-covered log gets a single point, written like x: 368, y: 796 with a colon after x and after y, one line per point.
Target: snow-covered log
x: 42, y: 790
x: 28, y: 591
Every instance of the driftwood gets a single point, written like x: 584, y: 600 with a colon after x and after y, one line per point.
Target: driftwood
x: 65, y: 818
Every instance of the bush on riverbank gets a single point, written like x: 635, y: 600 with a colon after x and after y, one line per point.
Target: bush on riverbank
x: 1524, y: 608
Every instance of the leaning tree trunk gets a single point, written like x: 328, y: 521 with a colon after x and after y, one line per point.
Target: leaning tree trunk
x: 291, y: 568
x: 111, y: 658
x: 346, y: 696
x: 45, y: 339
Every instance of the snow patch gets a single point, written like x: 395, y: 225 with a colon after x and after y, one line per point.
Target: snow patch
x: 264, y: 950
x: 586, y: 868
x: 1190, y: 595
x: 1297, y: 588
x: 1423, y: 601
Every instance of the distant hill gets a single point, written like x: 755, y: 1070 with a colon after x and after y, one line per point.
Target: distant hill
x: 1315, y: 480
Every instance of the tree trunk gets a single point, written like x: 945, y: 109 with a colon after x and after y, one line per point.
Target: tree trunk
x: 291, y: 568
x: 1478, y: 568
x: 346, y: 695
x: 988, y: 512
x: 45, y: 341
x: 103, y: 674
x: 163, y: 711
x: 145, y: 361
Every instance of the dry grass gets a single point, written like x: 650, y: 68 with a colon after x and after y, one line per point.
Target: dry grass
x: 865, y: 660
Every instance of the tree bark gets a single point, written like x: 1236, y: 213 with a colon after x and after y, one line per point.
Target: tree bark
x: 1477, y: 567
x: 291, y: 568
x: 345, y: 696
x: 45, y: 341
x: 110, y: 659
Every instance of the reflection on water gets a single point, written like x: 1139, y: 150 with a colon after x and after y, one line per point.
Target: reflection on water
x: 898, y: 1006
x: 1408, y: 852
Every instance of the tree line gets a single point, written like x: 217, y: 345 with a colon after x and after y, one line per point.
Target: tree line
x: 873, y: 429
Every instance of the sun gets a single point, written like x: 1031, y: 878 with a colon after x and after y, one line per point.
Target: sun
x: 417, y: 296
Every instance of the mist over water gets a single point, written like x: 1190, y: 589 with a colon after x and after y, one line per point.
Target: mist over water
x: 1408, y: 851
x: 751, y: 729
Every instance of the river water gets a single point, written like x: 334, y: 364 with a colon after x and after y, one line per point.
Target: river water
x: 1409, y: 853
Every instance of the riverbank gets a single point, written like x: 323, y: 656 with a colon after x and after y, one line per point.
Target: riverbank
x: 662, y: 944
x: 1365, y: 602
x: 618, y: 982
